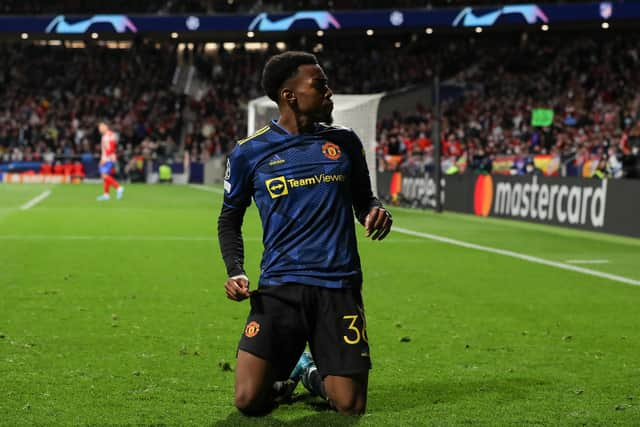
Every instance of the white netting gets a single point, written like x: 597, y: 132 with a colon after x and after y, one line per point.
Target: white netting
x: 358, y: 112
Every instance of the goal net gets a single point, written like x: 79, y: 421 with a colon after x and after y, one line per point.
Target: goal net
x: 358, y: 112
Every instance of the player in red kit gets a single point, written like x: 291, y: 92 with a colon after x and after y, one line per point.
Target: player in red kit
x: 108, y: 161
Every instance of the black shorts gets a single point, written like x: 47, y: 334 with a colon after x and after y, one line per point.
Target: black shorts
x: 284, y: 318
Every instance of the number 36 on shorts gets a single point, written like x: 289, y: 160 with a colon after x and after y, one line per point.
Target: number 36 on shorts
x: 356, y: 329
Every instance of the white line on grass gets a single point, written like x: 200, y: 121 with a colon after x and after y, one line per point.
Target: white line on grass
x: 519, y: 256
x: 208, y: 189
x: 119, y: 238
x: 153, y: 238
x: 587, y: 261
x: 31, y: 203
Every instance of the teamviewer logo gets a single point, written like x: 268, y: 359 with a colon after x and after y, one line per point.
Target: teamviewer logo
x: 277, y: 187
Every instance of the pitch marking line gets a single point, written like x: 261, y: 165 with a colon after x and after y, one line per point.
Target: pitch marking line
x: 127, y: 238
x: 116, y: 238
x: 587, y: 261
x: 31, y: 203
x: 130, y: 238
x: 208, y: 189
x: 517, y: 255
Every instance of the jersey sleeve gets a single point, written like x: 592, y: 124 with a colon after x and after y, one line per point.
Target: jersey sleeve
x: 363, y: 198
x: 237, y: 197
x: 230, y: 239
x: 237, y: 181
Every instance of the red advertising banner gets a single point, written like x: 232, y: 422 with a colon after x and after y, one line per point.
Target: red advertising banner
x: 30, y: 178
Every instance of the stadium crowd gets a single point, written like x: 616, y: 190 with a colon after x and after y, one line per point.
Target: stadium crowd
x: 220, y: 117
x: 52, y: 97
x: 589, y: 84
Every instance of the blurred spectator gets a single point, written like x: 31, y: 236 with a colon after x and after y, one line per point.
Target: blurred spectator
x: 51, y: 98
x: 588, y: 83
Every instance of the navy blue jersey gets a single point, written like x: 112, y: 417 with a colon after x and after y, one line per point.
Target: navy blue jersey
x: 306, y: 187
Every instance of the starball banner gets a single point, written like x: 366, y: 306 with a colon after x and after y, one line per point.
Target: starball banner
x: 520, y: 15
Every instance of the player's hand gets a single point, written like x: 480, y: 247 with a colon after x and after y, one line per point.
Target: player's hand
x: 237, y: 287
x: 378, y: 223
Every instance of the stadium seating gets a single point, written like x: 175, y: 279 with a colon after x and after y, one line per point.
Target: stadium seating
x: 54, y: 97
x: 586, y: 79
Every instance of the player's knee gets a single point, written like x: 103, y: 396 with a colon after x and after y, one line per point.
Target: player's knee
x: 244, y: 400
x: 249, y: 402
x: 350, y: 405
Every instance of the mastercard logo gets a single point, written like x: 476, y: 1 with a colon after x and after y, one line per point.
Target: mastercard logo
x: 483, y: 195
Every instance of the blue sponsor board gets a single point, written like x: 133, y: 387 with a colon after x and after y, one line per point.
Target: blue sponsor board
x: 16, y: 167
x: 523, y: 14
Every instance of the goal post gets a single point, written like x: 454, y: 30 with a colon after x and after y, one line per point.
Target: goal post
x: 358, y: 112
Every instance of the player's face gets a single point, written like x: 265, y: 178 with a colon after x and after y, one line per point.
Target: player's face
x: 102, y: 128
x: 313, y: 96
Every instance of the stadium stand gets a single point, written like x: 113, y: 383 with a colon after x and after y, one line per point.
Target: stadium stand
x: 587, y: 82
x: 52, y: 97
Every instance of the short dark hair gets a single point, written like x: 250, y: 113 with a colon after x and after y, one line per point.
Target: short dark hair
x: 279, y: 68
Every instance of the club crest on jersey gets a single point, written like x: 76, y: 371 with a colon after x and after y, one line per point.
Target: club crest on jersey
x: 331, y: 151
x: 252, y: 329
x: 277, y: 187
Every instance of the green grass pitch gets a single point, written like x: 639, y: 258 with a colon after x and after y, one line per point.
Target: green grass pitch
x: 114, y: 313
